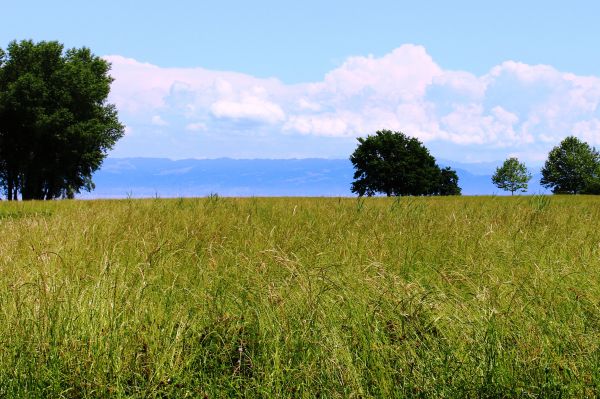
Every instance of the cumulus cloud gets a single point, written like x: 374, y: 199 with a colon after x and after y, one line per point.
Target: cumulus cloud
x: 512, y: 107
x: 402, y: 75
x: 324, y: 125
x: 248, y: 108
x: 588, y: 130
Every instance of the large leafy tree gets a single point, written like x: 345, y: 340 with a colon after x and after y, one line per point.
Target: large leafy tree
x: 394, y: 164
x: 573, y: 167
x: 55, y: 123
x: 512, y: 176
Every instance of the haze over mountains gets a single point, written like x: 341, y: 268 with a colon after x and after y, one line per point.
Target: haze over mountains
x: 150, y: 177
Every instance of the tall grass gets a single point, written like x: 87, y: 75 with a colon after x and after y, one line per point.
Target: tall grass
x: 300, y: 297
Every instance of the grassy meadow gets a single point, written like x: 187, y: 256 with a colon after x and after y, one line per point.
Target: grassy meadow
x: 301, y: 297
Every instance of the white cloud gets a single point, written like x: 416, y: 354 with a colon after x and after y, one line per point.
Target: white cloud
x: 588, y: 130
x: 472, y: 125
x: 248, y: 108
x: 305, y: 104
x: 324, y: 125
x: 513, y: 107
x: 402, y: 75
x: 525, y: 73
x: 461, y: 83
x: 158, y: 121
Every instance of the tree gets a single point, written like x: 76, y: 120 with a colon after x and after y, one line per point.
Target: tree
x: 573, y: 167
x: 395, y: 164
x: 512, y: 176
x: 448, y: 183
x: 56, y: 126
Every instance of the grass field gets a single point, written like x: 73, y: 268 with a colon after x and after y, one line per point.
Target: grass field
x: 301, y: 297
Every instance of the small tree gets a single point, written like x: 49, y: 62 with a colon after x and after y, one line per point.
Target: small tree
x: 573, y: 167
x: 512, y: 176
x: 395, y: 164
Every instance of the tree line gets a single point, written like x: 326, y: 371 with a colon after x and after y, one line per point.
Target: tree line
x: 393, y: 164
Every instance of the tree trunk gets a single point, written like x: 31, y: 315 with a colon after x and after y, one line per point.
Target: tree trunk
x: 10, y: 189
x: 12, y: 186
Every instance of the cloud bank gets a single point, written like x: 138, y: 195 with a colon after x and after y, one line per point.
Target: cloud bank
x: 514, y: 109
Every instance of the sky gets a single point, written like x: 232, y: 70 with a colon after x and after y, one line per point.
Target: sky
x: 475, y: 81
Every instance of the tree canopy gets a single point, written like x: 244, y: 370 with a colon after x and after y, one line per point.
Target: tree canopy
x: 573, y: 167
x: 394, y: 164
x: 55, y: 123
x: 448, y: 183
x: 512, y: 176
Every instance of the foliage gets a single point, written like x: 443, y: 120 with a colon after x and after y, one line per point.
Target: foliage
x: 55, y: 124
x: 593, y: 183
x: 395, y: 164
x: 448, y: 184
x: 434, y: 297
x: 573, y: 167
x: 512, y: 176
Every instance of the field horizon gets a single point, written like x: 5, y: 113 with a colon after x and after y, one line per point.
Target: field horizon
x: 167, y: 178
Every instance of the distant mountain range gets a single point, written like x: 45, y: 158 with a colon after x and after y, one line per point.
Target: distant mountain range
x: 149, y: 177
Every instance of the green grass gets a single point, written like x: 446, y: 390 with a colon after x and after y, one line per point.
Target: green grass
x: 301, y: 297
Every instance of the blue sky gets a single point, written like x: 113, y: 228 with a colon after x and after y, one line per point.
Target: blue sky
x: 476, y: 81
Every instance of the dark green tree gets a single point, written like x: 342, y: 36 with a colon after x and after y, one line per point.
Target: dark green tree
x: 573, y: 167
x: 448, y: 183
x: 512, y: 176
x: 394, y: 164
x: 56, y: 126
x: 593, y: 183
